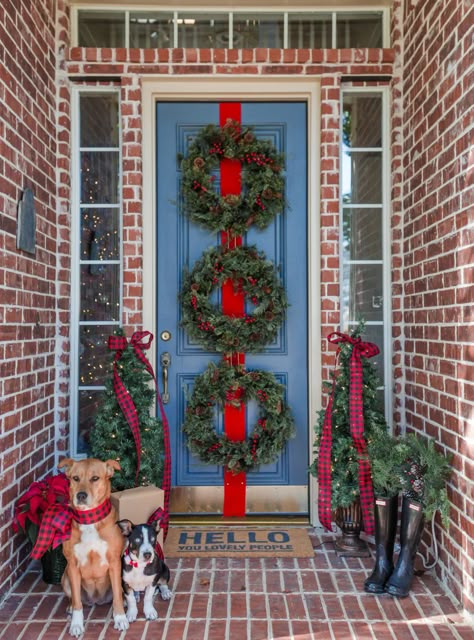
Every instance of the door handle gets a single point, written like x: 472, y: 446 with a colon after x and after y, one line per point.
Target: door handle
x: 165, y: 360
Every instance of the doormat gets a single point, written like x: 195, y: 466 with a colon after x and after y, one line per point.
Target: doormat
x: 230, y: 542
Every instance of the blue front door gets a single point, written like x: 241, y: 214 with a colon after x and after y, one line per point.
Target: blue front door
x: 281, y: 487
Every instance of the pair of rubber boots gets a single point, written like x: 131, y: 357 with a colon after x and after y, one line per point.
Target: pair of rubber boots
x: 385, y: 578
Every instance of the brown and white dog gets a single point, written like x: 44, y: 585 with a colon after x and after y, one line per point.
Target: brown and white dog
x: 93, y: 552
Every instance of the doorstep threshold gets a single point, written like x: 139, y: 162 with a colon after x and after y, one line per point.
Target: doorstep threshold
x: 196, y: 520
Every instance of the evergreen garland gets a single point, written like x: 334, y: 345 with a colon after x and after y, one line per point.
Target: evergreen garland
x: 222, y: 384
x: 251, y: 274
x: 111, y: 437
x: 424, y: 473
x: 386, y: 457
x: 261, y: 197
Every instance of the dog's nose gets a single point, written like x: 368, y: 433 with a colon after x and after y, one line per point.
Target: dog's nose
x: 147, y: 555
x: 81, y: 496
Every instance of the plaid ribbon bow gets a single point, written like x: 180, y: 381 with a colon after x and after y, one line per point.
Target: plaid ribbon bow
x: 356, y: 417
x: 140, y: 342
x: 56, y: 522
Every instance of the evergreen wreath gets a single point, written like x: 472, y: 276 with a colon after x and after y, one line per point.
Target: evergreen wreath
x: 226, y: 384
x: 261, y: 197
x: 253, y: 275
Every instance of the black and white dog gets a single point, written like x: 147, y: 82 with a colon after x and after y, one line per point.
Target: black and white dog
x: 142, y: 569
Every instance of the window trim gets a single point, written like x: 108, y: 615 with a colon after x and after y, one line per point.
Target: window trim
x: 349, y: 7
x: 75, y: 323
x: 386, y: 322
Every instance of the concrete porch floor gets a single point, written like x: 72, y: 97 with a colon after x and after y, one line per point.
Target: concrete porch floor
x: 318, y: 598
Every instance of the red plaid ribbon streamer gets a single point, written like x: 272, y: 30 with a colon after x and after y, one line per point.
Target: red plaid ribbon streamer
x: 141, y: 341
x: 139, y: 346
x: 56, y: 524
x: 124, y: 399
x: 167, y: 466
x: 324, y: 466
x: 360, y: 350
x: 161, y: 516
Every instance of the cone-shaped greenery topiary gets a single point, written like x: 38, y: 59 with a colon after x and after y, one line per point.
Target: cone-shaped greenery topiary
x: 344, y: 456
x: 112, y: 437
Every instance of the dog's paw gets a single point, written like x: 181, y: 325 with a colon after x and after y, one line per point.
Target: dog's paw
x: 76, y: 628
x: 165, y: 592
x: 132, y: 614
x: 150, y: 613
x: 120, y: 621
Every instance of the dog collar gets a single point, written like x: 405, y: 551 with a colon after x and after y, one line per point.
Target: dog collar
x: 91, y: 516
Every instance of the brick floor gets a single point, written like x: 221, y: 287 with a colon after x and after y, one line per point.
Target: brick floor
x: 318, y: 598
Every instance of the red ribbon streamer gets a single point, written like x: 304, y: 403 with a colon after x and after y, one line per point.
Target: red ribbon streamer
x: 356, y: 418
x: 124, y: 399
x: 161, y: 516
x: 233, y: 304
x: 141, y: 341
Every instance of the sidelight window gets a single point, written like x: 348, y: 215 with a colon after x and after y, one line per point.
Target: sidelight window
x: 96, y: 214
x: 365, y: 251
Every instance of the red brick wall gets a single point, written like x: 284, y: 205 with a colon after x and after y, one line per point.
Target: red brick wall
x: 29, y: 287
x: 430, y: 94
x: 437, y: 272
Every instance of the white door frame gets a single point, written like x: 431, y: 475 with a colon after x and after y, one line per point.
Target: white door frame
x: 255, y: 88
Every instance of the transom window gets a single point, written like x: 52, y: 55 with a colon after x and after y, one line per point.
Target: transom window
x: 236, y: 29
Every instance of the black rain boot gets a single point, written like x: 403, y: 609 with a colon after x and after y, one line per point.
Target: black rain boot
x: 411, y: 528
x: 386, y: 517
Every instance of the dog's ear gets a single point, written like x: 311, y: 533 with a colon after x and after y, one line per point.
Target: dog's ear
x: 125, y: 526
x: 112, y: 467
x: 66, y: 464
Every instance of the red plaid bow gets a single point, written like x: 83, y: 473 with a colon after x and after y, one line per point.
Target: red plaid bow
x: 141, y: 341
x: 56, y: 524
x: 129, y: 560
x: 356, y: 417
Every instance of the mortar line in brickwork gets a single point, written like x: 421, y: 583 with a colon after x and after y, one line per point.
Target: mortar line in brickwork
x: 228, y: 600
x: 191, y: 598
x: 210, y: 598
x: 267, y: 602
x: 175, y: 578
x: 247, y: 597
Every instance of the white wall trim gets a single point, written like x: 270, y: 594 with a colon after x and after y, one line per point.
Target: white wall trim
x: 75, y: 233
x: 259, y: 89
x: 384, y: 92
